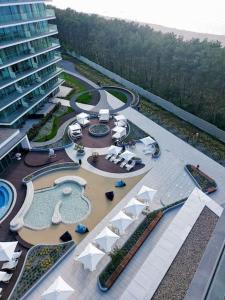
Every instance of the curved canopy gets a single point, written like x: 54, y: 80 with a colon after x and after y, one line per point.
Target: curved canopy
x: 106, y: 239
x: 146, y: 194
x: 7, y: 250
x: 134, y: 207
x: 59, y: 290
x: 90, y: 257
x: 121, y: 221
x: 147, y: 141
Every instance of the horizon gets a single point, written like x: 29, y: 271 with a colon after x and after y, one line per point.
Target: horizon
x: 201, y: 17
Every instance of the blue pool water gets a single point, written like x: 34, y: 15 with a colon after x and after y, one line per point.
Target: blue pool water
x: 73, y: 209
x: 6, y: 198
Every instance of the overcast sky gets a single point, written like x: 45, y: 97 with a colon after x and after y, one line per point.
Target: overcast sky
x: 206, y: 16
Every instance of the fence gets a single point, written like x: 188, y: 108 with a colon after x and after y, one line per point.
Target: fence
x: 179, y: 112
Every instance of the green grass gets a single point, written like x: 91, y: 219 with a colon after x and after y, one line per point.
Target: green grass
x: 118, y: 94
x: 85, y: 98
x: 55, y: 127
x: 73, y: 83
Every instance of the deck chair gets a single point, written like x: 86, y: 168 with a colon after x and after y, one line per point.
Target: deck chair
x: 130, y: 166
x: 108, y: 156
x: 117, y: 160
x: 10, y: 265
x: 123, y: 164
x: 5, y: 277
x: 113, y: 157
x: 16, y: 255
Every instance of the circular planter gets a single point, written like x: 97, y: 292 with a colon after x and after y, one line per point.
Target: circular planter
x: 99, y: 130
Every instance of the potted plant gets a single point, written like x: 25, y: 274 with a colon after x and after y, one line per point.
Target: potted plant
x: 80, y: 149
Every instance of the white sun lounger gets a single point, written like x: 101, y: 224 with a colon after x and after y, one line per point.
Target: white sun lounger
x: 123, y: 164
x: 5, y: 277
x: 108, y: 156
x: 1, y: 290
x: 113, y: 157
x: 130, y: 166
x: 117, y: 160
x: 16, y: 255
x: 10, y: 265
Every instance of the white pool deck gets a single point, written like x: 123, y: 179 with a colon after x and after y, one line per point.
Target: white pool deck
x: 168, y: 176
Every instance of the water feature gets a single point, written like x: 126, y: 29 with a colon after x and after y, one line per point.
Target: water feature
x: 6, y: 198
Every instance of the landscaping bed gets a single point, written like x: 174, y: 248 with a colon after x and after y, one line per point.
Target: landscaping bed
x: 121, y: 257
x: 40, y: 259
x: 118, y: 94
x: 207, y: 184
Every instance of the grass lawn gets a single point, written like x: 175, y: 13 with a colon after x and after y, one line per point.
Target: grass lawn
x: 85, y: 98
x: 52, y: 126
x: 184, y: 130
x: 118, y: 94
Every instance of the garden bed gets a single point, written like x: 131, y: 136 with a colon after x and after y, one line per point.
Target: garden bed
x: 121, y: 257
x: 203, y: 181
x: 39, y: 261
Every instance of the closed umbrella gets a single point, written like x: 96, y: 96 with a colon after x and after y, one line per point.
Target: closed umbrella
x: 106, y: 239
x: 90, y: 257
x: 59, y: 290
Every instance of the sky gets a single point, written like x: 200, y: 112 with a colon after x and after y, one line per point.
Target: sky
x: 207, y: 16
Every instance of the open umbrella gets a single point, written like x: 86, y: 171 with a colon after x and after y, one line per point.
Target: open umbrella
x: 134, y: 207
x: 90, y: 257
x: 146, y: 194
x: 59, y: 290
x: 121, y: 221
x: 7, y: 250
x: 106, y: 239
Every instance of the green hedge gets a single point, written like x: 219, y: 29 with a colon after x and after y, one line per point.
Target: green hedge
x: 118, y: 255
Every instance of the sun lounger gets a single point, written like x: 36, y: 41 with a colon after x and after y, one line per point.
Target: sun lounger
x: 108, y: 156
x: 1, y: 290
x: 10, y: 265
x: 123, y: 164
x: 130, y: 166
x: 16, y: 255
x: 117, y: 160
x: 5, y: 277
x: 113, y: 157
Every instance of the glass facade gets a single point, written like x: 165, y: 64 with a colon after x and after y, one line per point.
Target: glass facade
x: 28, y: 60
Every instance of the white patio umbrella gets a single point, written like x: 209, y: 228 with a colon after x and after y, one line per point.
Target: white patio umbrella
x: 147, y: 141
x: 146, y: 194
x: 120, y: 118
x: 127, y: 155
x: 114, y: 150
x: 106, y: 239
x: 59, y: 290
x: 82, y: 116
x: 121, y: 221
x: 134, y: 207
x: 7, y: 250
x: 90, y: 257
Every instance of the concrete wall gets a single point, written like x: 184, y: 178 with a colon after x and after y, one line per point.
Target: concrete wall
x: 186, y: 116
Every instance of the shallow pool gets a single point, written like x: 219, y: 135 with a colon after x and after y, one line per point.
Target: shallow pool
x: 6, y: 198
x: 74, y: 208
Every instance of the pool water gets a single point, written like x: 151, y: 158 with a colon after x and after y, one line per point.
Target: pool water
x: 6, y: 198
x: 74, y: 208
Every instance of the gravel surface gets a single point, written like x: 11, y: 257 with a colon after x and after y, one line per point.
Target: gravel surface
x: 178, y: 278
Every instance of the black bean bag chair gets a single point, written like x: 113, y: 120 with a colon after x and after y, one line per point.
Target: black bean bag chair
x: 109, y: 195
x: 66, y: 237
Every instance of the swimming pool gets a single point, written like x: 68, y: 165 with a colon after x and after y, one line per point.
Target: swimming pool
x: 67, y: 198
x: 6, y: 198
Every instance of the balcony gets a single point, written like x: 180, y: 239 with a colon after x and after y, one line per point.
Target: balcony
x: 19, y: 19
x: 28, y: 105
x: 20, y: 2
x: 12, y: 98
x: 15, y: 39
x: 31, y: 71
x: 13, y: 59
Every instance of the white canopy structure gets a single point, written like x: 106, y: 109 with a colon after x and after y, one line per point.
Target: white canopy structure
x: 104, y: 115
x: 119, y: 129
x: 75, y: 127
x: 7, y: 250
x: 121, y: 123
x: 134, y: 207
x: 147, y: 141
x: 146, y: 194
x: 120, y: 118
x: 82, y: 116
x: 59, y: 290
x: 115, y: 150
x: 121, y: 221
x: 106, y: 239
x: 90, y: 257
x: 127, y: 155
